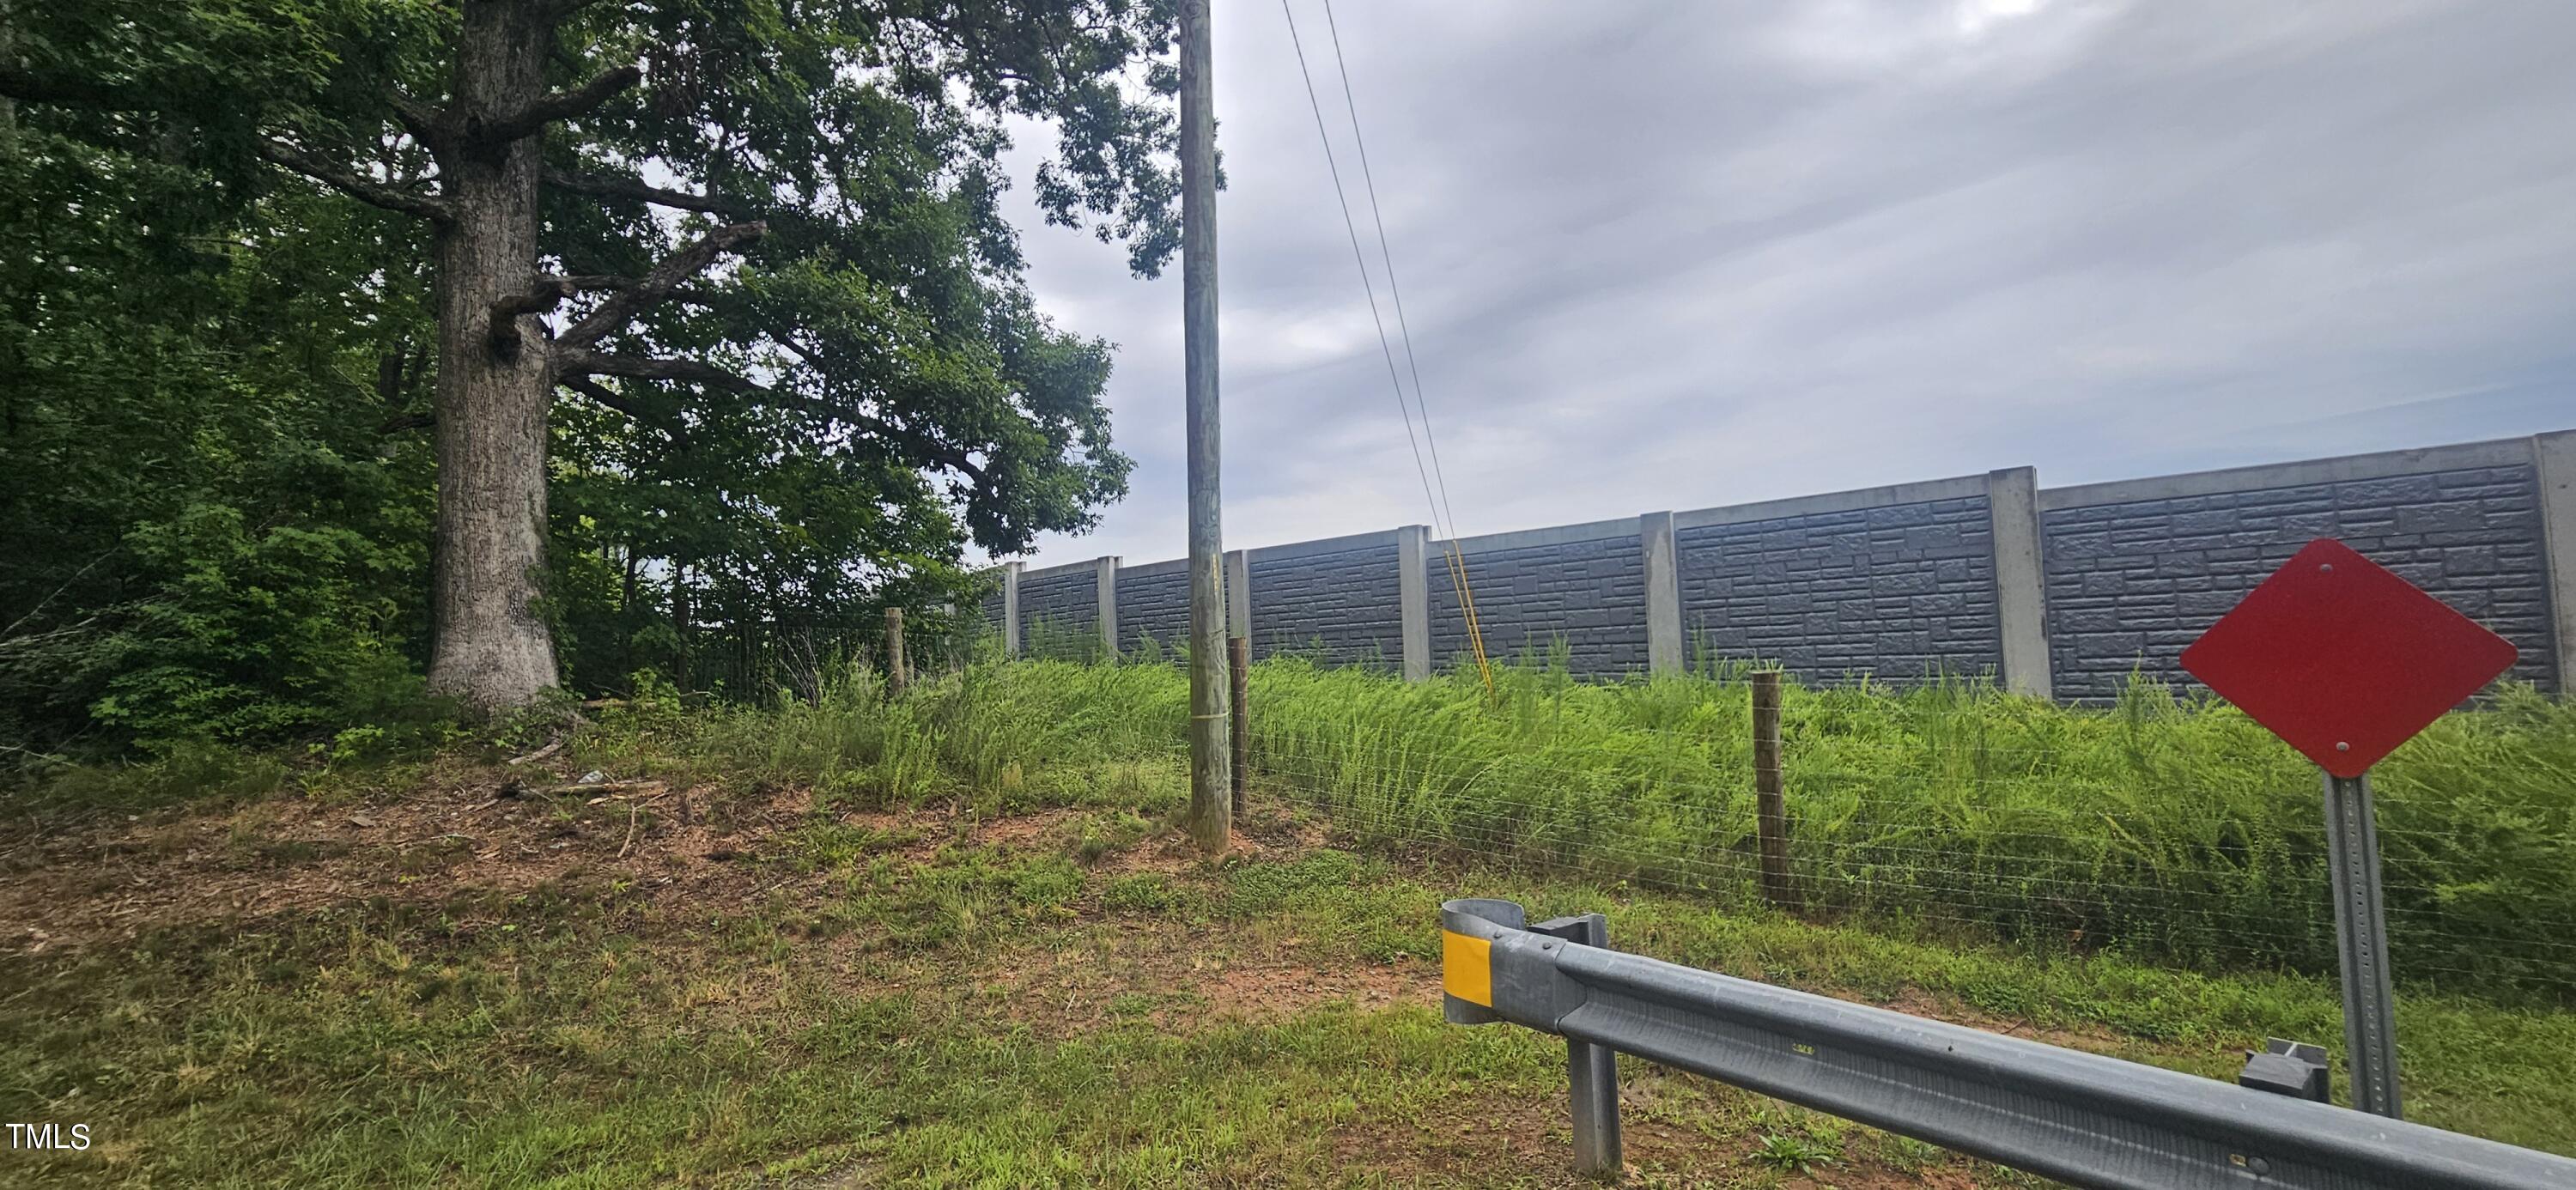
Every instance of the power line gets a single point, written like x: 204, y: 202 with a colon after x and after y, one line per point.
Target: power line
x: 1440, y: 507
x: 1387, y: 258
x: 1360, y: 258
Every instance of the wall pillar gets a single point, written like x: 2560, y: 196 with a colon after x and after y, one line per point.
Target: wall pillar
x: 1413, y: 594
x: 1011, y: 607
x: 2555, y: 454
x: 1238, y: 593
x: 1664, y: 652
x: 1108, y: 606
x: 2021, y: 590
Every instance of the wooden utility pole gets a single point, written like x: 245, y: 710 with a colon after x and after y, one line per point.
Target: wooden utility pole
x: 1211, y: 804
x: 1770, y: 813
x: 896, y: 677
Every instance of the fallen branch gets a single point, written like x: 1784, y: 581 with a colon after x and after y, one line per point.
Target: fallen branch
x: 590, y: 787
x: 541, y: 753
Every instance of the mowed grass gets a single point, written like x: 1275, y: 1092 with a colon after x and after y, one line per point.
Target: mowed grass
x: 910, y: 1010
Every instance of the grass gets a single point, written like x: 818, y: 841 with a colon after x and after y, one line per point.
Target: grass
x: 2170, y: 829
x: 1003, y: 1014
x: 951, y: 940
x: 2173, y: 829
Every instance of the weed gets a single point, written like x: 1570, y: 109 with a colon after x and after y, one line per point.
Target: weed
x: 1792, y: 1154
x: 1142, y: 892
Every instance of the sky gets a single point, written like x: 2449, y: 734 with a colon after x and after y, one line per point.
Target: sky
x: 1676, y: 255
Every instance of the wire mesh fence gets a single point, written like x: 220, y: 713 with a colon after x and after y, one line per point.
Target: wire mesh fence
x: 2171, y: 831
x: 756, y: 659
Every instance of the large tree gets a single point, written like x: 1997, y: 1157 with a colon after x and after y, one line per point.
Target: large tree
x: 762, y: 233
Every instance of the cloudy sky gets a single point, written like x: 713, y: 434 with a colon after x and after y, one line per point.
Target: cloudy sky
x: 1673, y: 255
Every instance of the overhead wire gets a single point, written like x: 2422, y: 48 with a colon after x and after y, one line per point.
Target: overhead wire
x: 1440, y: 508
x: 1404, y: 328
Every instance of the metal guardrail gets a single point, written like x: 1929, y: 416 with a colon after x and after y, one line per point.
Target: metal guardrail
x: 2077, y: 1117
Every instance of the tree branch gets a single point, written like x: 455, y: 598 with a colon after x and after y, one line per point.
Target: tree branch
x: 391, y: 198
x: 581, y: 361
x: 589, y: 282
x: 620, y: 402
x: 560, y: 105
x: 936, y: 452
x: 389, y: 378
x: 426, y: 122
x: 21, y: 84
x: 624, y: 304
x: 608, y: 187
x: 503, y: 329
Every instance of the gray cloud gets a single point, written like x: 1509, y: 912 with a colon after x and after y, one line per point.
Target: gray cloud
x: 1668, y: 257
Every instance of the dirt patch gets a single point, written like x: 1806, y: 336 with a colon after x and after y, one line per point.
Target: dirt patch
x: 1171, y: 852
x: 1272, y: 990
x: 477, y: 829
x: 1181, y: 982
x: 1022, y: 831
x: 490, y: 830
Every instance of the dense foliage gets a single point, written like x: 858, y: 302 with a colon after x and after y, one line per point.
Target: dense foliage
x: 209, y: 531
x: 216, y: 371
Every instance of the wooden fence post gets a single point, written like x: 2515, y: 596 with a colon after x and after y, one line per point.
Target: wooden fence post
x: 896, y: 678
x: 1238, y: 663
x: 1771, y: 816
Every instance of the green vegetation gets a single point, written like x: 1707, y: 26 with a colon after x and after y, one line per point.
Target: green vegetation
x: 2170, y: 829
x: 2174, y: 831
x: 952, y: 1012
x: 226, y: 378
x: 955, y: 939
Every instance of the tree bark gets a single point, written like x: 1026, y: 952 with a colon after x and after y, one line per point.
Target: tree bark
x: 493, y: 649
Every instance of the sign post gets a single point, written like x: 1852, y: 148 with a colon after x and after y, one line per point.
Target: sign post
x: 2361, y: 938
x: 2344, y: 661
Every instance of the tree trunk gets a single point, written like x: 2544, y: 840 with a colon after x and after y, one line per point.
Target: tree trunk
x: 493, y: 649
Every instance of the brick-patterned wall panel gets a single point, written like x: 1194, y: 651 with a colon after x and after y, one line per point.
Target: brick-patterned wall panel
x: 992, y: 610
x: 1154, y: 605
x: 2131, y: 584
x: 1060, y: 613
x: 1343, y: 605
x: 1897, y: 592
x: 1591, y: 593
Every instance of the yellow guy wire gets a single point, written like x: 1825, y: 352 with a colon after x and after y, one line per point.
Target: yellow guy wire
x: 1467, y: 612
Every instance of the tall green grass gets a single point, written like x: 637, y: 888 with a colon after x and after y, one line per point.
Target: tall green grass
x: 1025, y: 733
x: 2169, y: 828
x: 2174, y: 828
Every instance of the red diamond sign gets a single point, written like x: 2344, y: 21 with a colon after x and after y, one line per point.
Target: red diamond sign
x: 2344, y: 659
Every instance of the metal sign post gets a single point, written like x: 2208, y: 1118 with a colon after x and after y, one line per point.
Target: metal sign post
x: 2344, y: 661
x: 2361, y: 938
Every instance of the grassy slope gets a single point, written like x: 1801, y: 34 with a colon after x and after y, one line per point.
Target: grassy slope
x: 932, y: 999
x: 979, y: 986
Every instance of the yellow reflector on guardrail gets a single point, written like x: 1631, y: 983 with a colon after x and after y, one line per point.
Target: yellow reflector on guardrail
x: 1467, y: 968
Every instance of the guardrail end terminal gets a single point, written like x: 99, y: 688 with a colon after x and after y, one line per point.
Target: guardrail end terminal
x: 1467, y: 929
